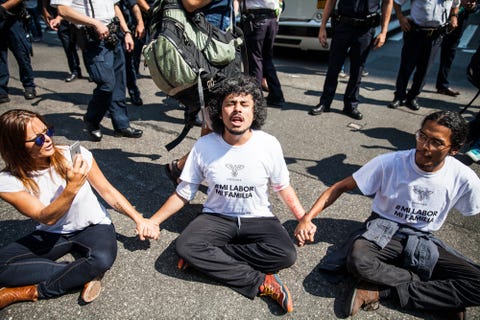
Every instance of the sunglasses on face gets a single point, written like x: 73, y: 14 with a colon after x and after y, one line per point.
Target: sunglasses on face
x: 40, y: 138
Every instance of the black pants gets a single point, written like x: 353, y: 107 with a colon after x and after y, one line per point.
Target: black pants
x: 68, y: 37
x: 418, y: 52
x: 356, y: 42
x: 235, y: 252
x: 454, y: 285
x: 260, y: 56
x: 32, y: 259
x: 448, y: 50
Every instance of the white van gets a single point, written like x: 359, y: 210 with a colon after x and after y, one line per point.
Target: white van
x: 299, y: 24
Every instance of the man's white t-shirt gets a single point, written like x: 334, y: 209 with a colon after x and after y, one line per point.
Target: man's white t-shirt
x: 103, y: 10
x: 85, y: 209
x: 408, y: 195
x: 237, y: 176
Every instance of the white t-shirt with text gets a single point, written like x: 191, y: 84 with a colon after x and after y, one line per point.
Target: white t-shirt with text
x: 408, y: 195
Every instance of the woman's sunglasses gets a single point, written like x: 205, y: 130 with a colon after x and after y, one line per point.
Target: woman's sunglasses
x: 40, y: 138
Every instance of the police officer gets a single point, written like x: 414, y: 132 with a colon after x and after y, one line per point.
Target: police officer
x: 354, y: 33
x: 449, y: 48
x: 13, y: 36
x: 67, y: 36
x: 260, y: 27
x: 422, y: 30
x: 104, y: 59
x: 133, y: 16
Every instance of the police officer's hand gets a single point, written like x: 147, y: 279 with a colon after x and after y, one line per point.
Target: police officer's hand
x: 101, y: 29
x: 128, y: 42
x: 55, y: 23
x: 404, y: 24
x: 4, y: 13
x: 322, y: 36
x: 379, y: 40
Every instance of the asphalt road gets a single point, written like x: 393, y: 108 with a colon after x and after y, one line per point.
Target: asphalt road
x: 144, y: 282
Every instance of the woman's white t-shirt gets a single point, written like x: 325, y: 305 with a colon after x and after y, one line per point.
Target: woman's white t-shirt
x: 408, y: 195
x: 85, y: 209
x: 237, y: 176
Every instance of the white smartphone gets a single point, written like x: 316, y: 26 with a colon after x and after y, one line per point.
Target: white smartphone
x: 75, y: 149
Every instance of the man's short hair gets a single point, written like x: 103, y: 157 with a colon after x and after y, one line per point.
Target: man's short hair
x: 455, y: 122
x: 238, y: 85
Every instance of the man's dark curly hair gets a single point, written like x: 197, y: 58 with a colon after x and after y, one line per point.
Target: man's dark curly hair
x: 237, y: 85
x: 453, y: 121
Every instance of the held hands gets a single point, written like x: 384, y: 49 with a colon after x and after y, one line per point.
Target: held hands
x: 54, y: 23
x: 147, y: 229
x: 305, y: 231
x: 77, y: 174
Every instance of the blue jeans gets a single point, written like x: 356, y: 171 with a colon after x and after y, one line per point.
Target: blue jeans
x: 12, y: 35
x: 32, y: 259
x: 106, y: 67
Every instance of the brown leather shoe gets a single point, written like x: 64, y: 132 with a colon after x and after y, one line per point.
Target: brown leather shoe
x: 17, y: 294
x: 92, y: 290
x: 448, y: 92
x: 364, y: 296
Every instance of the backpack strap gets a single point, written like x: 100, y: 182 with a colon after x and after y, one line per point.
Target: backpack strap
x: 188, y: 125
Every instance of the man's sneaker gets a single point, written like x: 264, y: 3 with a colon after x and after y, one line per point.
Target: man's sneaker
x: 342, y: 74
x: 273, y: 287
x: 474, y: 152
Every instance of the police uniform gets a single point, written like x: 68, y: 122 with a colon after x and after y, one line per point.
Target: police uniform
x: 13, y: 36
x: 354, y: 30
x: 448, y: 50
x: 260, y: 27
x: 428, y: 23
x: 105, y: 63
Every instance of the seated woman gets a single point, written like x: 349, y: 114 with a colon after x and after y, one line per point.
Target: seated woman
x: 44, y: 183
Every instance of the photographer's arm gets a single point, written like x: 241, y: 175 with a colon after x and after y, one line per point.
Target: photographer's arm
x: 33, y: 208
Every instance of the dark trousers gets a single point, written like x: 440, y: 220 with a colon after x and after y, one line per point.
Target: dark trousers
x: 418, y: 52
x: 106, y: 67
x: 260, y: 56
x: 32, y: 259
x: 353, y: 41
x: 448, y: 50
x: 454, y: 284
x: 68, y: 36
x: 235, y: 252
x: 13, y: 36
x: 131, y: 73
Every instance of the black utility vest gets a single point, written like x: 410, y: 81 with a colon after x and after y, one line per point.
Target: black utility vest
x: 358, y: 8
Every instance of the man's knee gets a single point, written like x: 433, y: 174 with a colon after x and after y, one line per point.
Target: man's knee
x: 359, y: 262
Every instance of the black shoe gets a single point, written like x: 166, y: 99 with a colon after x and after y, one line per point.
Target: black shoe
x: 72, y: 76
x: 412, y: 104
x: 4, y: 98
x: 136, y: 100
x: 93, y: 130
x: 319, y: 109
x: 353, y: 113
x: 30, y: 93
x: 396, y: 103
x: 128, y: 133
x: 277, y: 103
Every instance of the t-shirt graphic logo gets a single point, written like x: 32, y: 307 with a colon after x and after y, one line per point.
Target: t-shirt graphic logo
x: 422, y: 193
x: 234, y: 168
